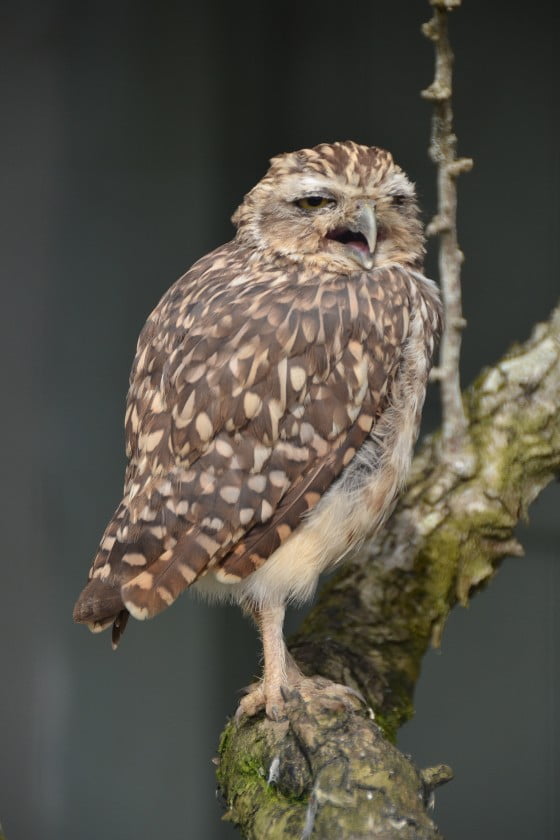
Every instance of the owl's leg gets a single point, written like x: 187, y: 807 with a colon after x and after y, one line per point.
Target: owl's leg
x: 275, y: 678
x: 280, y: 670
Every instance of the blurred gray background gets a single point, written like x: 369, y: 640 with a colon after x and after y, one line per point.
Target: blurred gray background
x: 130, y: 131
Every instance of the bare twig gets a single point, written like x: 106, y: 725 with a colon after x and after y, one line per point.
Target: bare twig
x: 455, y: 447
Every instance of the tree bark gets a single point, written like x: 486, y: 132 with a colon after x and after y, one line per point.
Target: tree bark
x: 332, y: 772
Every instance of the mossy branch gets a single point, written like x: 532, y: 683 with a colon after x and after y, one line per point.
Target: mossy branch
x: 334, y: 773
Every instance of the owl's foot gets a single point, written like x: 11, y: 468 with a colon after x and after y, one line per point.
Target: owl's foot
x: 283, y: 682
x: 274, y: 699
x: 270, y: 693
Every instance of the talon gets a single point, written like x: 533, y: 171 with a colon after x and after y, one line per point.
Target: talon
x: 252, y: 703
x: 275, y: 713
x: 250, y: 689
x: 285, y: 692
x: 357, y: 694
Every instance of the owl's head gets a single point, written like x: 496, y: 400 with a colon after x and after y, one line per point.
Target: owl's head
x: 341, y: 205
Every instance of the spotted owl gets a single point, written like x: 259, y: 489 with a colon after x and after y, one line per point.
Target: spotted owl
x: 274, y: 401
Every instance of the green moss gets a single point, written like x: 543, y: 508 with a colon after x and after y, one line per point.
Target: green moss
x: 224, y: 737
x: 391, y: 721
x: 246, y: 752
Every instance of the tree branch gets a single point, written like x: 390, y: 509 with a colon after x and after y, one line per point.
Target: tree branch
x: 455, y: 445
x: 374, y: 621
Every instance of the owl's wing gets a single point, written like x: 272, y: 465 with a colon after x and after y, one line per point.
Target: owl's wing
x: 247, y: 399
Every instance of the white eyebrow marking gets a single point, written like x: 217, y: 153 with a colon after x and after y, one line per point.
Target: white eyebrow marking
x: 300, y: 185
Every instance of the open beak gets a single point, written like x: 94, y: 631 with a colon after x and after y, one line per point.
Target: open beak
x: 366, y: 224
x: 360, y: 236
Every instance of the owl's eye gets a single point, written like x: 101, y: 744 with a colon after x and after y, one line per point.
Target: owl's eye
x: 313, y: 202
x: 399, y: 199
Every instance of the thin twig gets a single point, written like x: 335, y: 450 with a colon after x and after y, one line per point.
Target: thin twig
x: 455, y: 447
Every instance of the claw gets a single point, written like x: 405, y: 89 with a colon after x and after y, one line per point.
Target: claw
x: 252, y: 703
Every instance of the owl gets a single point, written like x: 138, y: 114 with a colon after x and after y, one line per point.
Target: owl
x: 274, y: 401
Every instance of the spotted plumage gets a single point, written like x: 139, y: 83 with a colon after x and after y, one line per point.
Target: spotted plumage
x: 274, y: 399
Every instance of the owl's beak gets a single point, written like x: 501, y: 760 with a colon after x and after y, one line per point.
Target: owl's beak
x: 366, y: 224
x: 360, y: 236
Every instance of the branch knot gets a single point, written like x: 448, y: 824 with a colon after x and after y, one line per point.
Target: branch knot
x: 458, y: 166
x: 436, y: 92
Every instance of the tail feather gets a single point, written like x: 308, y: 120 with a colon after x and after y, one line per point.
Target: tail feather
x: 119, y: 625
x: 100, y: 604
x: 99, y: 601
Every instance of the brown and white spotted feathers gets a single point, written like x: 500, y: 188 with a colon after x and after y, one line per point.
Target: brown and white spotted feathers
x: 275, y: 395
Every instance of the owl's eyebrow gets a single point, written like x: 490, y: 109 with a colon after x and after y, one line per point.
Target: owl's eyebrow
x: 322, y: 192
x: 304, y: 185
x: 400, y: 186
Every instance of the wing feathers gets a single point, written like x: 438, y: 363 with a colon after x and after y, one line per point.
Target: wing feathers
x: 303, y: 496
x: 247, y: 400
